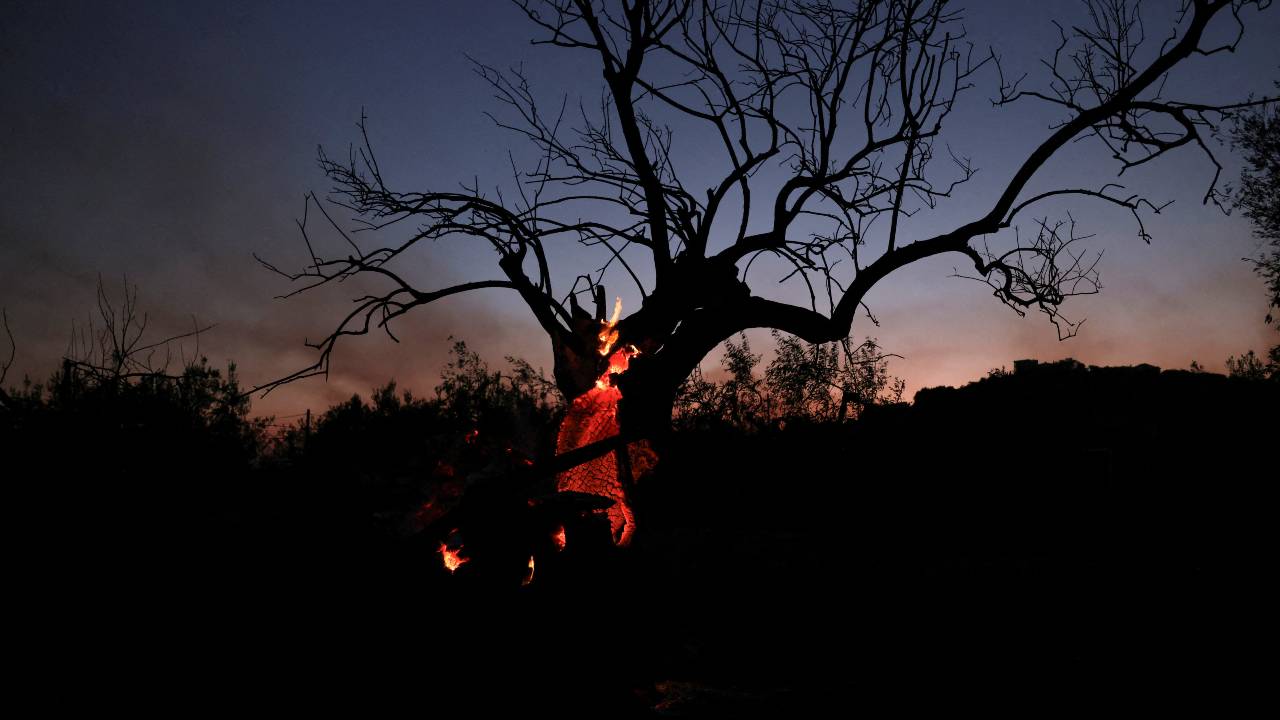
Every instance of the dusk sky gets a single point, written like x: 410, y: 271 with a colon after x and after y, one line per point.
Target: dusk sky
x: 167, y: 142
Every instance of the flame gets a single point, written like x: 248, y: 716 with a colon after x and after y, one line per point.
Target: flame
x: 471, y: 436
x: 528, y: 578
x: 452, y: 561
x: 608, y: 336
x: 559, y: 538
x: 618, y: 364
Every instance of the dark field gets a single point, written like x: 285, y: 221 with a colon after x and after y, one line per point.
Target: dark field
x: 1074, y: 530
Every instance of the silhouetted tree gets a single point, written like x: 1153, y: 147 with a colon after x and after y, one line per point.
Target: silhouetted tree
x: 832, y: 382
x: 833, y: 112
x: 804, y: 381
x: 394, y: 435
x: 469, y: 390
x: 113, y: 370
x: 142, y: 441
x: 1257, y: 133
x: 1250, y: 367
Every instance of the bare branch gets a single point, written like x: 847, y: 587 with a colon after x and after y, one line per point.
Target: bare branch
x: 13, y: 351
x: 1042, y: 273
x: 117, y: 349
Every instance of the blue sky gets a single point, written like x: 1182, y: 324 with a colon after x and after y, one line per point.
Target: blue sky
x: 167, y: 142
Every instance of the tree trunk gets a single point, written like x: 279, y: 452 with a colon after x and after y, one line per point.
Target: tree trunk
x: 623, y: 400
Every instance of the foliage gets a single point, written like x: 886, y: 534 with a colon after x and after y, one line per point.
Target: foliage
x: 201, y: 408
x: 117, y: 394
x: 1257, y: 132
x: 832, y: 382
x: 146, y: 460
x: 395, y: 433
x: 742, y: 400
x: 469, y: 390
x: 1251, y: 367
x: 820, y: 383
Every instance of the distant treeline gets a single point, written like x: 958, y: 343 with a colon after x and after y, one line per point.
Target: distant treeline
x: 182, y: 449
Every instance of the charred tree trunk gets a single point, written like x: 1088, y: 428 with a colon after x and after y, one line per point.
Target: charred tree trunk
x: 589, y: 368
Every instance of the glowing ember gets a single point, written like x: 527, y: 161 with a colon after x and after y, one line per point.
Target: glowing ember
x: 593, y: 416
x: 559, y: 538
x: 452, y: 561
x: 528, y: 578
x: 618, y: 364
x: 471, y: 436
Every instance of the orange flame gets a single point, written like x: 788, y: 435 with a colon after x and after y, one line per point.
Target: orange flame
x: 618, y: 364
x: 452, y: 561
x: 559, y: 538
x: 528, y: 578
x: 608, y: 336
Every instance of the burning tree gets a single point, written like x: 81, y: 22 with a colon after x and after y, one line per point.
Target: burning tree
x: 832, y: 112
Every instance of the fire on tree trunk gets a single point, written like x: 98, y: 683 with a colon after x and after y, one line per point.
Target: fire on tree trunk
x: 593, y: 416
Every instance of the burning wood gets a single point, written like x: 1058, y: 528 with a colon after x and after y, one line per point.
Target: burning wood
x: 452, y: 556
x: 529, y: 577
x: 593, y: 416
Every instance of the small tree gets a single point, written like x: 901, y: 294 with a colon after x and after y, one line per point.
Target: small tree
x: 144, y: 440
x: 1249, y: 367
x: 814, y: 383
x: 468, y: 389
x: 115, y: 374
x: 832, y: 382
x: 1257, y: 133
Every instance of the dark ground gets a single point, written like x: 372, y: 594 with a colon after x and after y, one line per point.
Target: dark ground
x: 1063, y: 532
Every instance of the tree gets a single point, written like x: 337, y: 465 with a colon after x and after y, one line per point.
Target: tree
x: 832, y: 112
x: 1248, y: 367
x: 469, y: 391
x: 117, y: 381
x: 1257, y: 132
x: 807, y: 382
x: 833, y: 382
x: 150, y: 442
